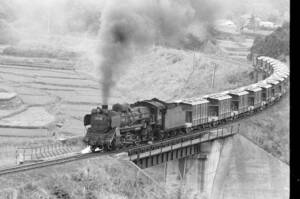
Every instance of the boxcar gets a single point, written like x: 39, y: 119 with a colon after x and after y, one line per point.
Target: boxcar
x: 199, y: 107
x: 268, y: 64
x: 268, y: 68
x: 284, y: 83
x: 219, y: 106
x: 271, y: 68
x: 264, y: 63
x: 239, y: 101
x: 200, y: 110
x: 274, y: 88
x: 266, y: 91
x: 259, y: 62
x: 254, y: 60
x: 254, y: 96
x: 280, y: 87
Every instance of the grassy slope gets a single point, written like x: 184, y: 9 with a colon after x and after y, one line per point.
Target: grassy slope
x: 167, y: 73
x: 270, y: 129
x: 85, y: 179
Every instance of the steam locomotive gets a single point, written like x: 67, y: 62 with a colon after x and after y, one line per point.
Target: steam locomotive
x: 149, y: 120
x: 126, y: 125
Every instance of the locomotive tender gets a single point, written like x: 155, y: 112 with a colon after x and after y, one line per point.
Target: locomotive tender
x: 149, y: 120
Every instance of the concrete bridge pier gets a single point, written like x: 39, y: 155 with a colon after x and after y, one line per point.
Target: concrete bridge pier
x: 193, y: 176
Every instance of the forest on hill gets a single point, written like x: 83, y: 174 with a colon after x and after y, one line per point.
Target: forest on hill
x: 276, y: 45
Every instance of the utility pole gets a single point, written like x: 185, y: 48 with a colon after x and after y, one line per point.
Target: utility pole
x: 213, y: 76
x: 194, y: 59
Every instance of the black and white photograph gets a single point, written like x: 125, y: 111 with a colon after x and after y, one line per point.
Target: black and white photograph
x: 145, y: 99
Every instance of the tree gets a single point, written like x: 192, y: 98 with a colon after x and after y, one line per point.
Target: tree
x: 275, y: 45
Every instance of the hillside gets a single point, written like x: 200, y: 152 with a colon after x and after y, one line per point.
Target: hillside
x: 276, y: 45
x: 87, y: 179
x: 172, y: 73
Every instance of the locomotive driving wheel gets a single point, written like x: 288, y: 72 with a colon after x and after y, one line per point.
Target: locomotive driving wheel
x: 110, y: 146
x: 147, y: 132
x: 93, y: 149
x: 113, y: 145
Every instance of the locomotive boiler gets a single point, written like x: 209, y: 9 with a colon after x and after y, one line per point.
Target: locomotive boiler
x: 123, y: 125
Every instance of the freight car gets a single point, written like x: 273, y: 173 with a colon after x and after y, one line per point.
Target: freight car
x: 149, y: 120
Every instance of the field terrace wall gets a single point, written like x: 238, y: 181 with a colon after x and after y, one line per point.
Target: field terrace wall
x: 9, y: 100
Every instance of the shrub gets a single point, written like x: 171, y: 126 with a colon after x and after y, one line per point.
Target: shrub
x: 60, y: 193
x: 90, y: 195
x: 39, y: 52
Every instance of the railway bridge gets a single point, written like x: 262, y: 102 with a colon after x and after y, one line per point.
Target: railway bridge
x: 194, y: 145
x: 191, y: 159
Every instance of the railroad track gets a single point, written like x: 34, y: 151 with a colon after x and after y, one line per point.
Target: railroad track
x: 46, y: 163
x: 61, y: 160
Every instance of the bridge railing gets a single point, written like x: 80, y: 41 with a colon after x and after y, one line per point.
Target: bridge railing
x: 186, y: 140
x: 35, y: 153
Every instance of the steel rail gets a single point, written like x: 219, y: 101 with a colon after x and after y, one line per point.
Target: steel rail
x: 46, y: 163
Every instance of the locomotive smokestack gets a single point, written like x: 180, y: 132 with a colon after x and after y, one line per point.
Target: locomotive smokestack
x: 104, y: 107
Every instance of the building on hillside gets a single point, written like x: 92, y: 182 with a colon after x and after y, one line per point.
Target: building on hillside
x: 226, y: 25
x: 267, y: 25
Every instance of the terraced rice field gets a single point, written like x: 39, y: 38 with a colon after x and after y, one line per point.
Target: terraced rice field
x: 236, y: 49
x: 54, y: 95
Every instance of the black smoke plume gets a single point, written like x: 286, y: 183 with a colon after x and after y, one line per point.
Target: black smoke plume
x: 128, y: 26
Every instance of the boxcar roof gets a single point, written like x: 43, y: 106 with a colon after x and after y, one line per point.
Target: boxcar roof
x: 195, y: 101
x: 263, y: 85
x: 283, y: 75
x: 238, y: 92
x: 219, y: 96
x: 272, y: 61
x: 253, y: 88
x: 277, y: 77
x: 272, y: 81
x: 263, y: 58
